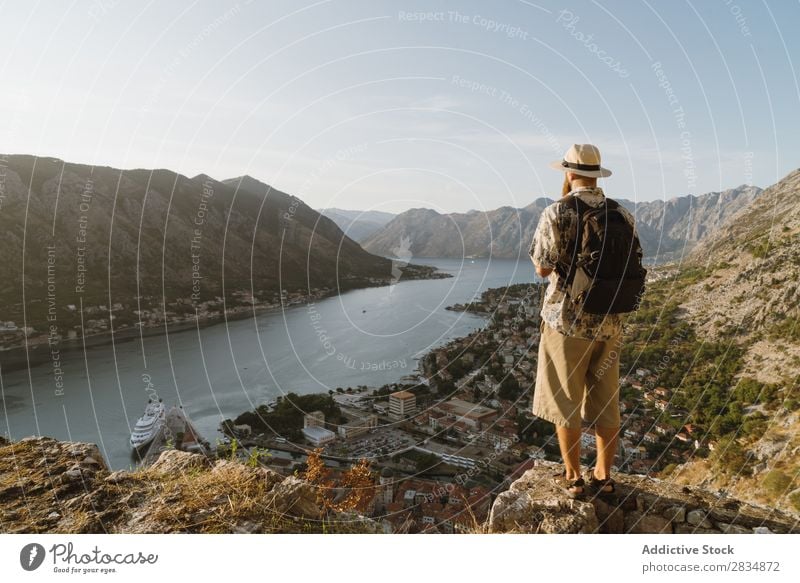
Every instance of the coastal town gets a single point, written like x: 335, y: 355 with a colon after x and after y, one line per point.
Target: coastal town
x: 98, y: 319
x: 444, y: 441
x: 75, y: 322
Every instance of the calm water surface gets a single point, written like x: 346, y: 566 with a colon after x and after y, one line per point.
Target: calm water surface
x: 363, y: 337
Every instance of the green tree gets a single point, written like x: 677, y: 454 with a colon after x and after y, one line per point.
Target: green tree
x: 731, y: 458
x: 509, y: 388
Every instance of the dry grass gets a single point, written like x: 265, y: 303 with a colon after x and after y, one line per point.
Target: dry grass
x: 228, y: 497
x: 213, y: 501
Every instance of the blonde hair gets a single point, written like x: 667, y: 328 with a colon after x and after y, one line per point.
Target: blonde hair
x: 565, y: 188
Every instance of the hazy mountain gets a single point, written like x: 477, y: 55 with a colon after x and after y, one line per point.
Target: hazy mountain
x: 674, y: 227
x: 357, y: 225
x: 666, y: 228
x: 499, y: 233
x: 73, y: 232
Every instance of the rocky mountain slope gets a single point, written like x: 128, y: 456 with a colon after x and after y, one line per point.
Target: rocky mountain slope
x: 74, y: 233
x: 747, y: 282
x: 667, y: 228
x: 740, y: 287
x: 357, y: 225
x: 672, y: 228
x: 47, y: 486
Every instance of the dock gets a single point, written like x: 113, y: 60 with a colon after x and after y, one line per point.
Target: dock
x: 177, y: 432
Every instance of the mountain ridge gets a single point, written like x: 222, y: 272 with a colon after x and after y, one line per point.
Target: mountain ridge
x: 357, y: 224
x: 666, y: 228
x: 156, y: 240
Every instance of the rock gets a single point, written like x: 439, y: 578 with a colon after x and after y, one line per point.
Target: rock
x: 294, y: 498
x: 117, y: 477
x: 650, y: 502
x: 72, y: 474
x: 727, y: 528
x: 629, y: 503
x: 174, y: 461
x: 638, y: 523
x: 686, y: 528
x: 90, y: 461
x: 581, y: 518
x: 675, y: 513
x: 53, y: 516
x: 247, y: 527
x: 610, y: 517
x: 353, y: 522
x: 762, y: 530
x: 698, y: 518
x: 527, y: 511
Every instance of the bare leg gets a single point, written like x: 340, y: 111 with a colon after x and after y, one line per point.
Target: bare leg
x: 569, y: 440
x: 606, y: 438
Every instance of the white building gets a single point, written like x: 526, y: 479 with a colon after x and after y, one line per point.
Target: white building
x: 402, y: 404
x: 314, y: 419
x: 318, y: 436
x: 358, y: 427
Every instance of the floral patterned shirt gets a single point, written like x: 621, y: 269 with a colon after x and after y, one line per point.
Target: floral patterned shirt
x: 556, y: 225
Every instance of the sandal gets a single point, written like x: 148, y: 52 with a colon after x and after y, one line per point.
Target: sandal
x: 602, y: 487
x: 572, y: 488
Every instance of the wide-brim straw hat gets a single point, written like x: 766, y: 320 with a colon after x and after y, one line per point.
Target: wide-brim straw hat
x: 582, y: 159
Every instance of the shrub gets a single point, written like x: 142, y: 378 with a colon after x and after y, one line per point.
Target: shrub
x: 667, y: 471
x: 776, y: 483
x: 731, y: 458
x: 758, y: 250
x: 794, y: 499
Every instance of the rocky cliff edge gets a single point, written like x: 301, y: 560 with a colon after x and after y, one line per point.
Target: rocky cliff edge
x: 534, y: 504
x: 50, y: 486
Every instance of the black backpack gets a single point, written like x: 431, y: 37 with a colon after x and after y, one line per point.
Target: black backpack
x: 604, y: 273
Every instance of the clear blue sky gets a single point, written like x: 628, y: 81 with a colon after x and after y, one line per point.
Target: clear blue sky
x: 393, y: 105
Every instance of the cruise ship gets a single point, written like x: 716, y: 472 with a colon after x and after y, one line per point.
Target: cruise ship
x: 148, y: 425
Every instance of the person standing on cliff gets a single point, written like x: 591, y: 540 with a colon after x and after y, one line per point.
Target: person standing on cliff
x: 588, y: 248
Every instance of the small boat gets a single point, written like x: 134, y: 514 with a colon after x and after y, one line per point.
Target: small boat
x: 148, y: 425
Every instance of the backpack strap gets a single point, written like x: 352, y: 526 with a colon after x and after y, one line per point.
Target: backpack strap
x: 566, y: 275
